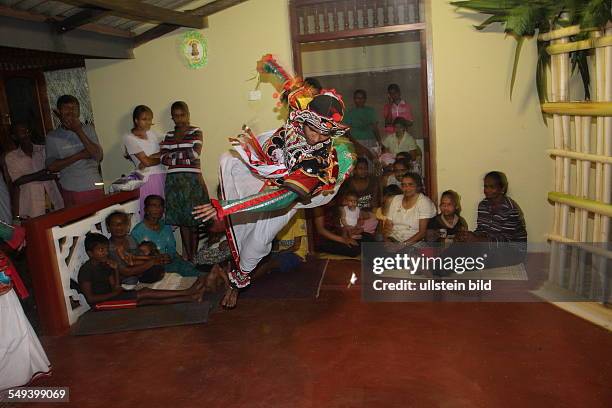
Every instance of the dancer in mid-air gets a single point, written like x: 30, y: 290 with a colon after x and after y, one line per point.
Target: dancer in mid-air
x: 266, y: 179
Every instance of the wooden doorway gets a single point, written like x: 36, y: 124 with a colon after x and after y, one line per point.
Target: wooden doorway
x: 317, y: 25
x: 23, y: 89
x: 23, y: 98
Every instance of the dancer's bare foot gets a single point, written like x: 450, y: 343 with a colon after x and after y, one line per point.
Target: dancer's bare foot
x: 230, y: 298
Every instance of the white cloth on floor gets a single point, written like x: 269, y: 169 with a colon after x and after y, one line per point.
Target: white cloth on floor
x: 22, y: 357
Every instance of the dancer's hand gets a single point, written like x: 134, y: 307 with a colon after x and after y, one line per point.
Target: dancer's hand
x: 204, y: 212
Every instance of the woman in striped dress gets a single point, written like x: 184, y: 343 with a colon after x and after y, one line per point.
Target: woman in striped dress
x: 185, y: 188
x: 500, y: 225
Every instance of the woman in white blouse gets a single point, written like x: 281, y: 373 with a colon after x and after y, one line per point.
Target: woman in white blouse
x: 142, y: 146
x: 408, y: 214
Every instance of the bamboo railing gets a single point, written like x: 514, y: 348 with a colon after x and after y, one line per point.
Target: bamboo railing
x: 582, y: 152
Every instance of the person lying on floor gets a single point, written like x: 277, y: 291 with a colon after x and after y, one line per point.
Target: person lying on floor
x: 100, y: 282
x: 153, y: 229
x: 132, y: 265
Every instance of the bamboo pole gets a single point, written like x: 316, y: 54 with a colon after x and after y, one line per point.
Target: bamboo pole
x: 586, y: 170
x: 594, y: 206
x: 581, y: 157
x: 599, y: 149
x: 589, y: 248
x: 580, y: 45
x: 564, y: 73
x: 560, y: 33
x: 575, y: 272
x: 556, y: 126
x: 578, y: 108
x: 607, y: 168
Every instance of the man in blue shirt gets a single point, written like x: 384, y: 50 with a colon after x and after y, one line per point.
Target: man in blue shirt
x: 73, y: 150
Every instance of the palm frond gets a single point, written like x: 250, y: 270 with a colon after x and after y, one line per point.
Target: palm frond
x: 523, y: 18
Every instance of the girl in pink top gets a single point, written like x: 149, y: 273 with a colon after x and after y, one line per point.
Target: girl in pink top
x: 396, y: 108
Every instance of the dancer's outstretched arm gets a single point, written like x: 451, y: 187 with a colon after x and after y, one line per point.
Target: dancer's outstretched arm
x: 264, y: 201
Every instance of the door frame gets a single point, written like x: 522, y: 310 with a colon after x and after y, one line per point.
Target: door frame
x: 427, y: 83
x: 40, y: 96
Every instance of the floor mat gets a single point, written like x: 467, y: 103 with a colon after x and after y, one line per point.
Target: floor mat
x: 170, y: 281
x: 140, y: 318
x: 302, y: 282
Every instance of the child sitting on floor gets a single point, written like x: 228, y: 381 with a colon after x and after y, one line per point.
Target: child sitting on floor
x: 99, y: 281
x: 351, y: 218
x: 443, y: 227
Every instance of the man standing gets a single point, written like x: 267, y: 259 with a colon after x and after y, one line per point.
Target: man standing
x: 73, y: 150
x: 364, y: 125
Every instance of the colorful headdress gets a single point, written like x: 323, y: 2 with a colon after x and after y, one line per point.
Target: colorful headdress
x: 290, y: 88
x: 324, y: 113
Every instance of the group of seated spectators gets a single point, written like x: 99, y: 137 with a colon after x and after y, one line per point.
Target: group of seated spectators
x: 368, y: 211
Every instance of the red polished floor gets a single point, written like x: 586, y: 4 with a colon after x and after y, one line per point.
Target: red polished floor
x: 336, y: 351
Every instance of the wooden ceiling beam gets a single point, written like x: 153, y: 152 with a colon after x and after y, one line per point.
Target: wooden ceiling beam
x: 81, y: 18
x: 35, y: 17
x: 203, y: 11
x: 136, y: 10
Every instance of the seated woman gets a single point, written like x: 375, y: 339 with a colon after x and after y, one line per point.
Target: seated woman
x: 500, y: 224
x: 153, y: 229
x: 133, y: 266
x: 409, y: 213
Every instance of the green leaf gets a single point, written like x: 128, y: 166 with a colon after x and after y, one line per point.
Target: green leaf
x: 491, y: 20
x: 543, y: 62
x: 487, y: 6
x: 517, y: 54
x: 522, y: 20
x: 596, y: 13
x: 580, y: 60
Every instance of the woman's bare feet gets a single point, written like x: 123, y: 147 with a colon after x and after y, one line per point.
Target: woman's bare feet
x: 198, y: 296
x: 215, y: 278
x: 199, y: 284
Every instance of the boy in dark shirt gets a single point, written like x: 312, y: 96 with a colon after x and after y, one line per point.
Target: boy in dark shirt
x: 99, y: 281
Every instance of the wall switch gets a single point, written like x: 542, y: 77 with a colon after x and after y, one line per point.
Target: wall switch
x: 254, y: 95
